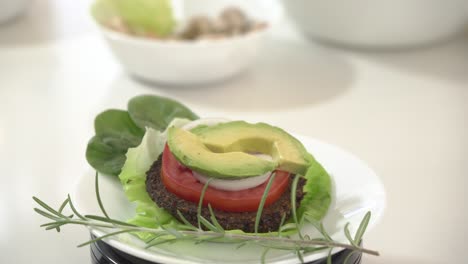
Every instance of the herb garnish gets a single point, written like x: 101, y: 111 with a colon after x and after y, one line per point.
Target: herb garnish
x: 214, y: 232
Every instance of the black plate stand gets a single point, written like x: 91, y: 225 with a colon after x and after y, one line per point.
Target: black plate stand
x: 102, y: 253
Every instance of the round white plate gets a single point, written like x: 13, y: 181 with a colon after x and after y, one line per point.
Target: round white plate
x: 357, y: 189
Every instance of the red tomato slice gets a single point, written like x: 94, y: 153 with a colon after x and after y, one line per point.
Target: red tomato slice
x: 179, y: 180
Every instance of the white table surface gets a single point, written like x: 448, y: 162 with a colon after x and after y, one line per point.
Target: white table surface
x: 404, y: 113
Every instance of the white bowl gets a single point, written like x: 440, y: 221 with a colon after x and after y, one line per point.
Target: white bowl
x: 379, y: 23
x: 179, y: 62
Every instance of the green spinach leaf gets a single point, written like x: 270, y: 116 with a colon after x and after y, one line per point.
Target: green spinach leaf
x: 157, y: 112
x: 117, y: 123
x: 118, y: 130
x: 115, y: 133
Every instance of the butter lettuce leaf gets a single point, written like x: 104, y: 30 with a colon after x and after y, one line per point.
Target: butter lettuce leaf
x: 153, y: 17
x: 133, y: 177
x: 317, y: 199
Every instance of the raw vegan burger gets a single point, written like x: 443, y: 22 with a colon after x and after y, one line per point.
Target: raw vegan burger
x: 228, y: 166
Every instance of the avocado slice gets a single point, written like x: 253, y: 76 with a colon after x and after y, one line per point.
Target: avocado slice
x: 222, y: 151
x: 190, y: 150
x: 286, y: 151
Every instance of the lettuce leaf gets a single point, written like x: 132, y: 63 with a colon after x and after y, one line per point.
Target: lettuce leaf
x: 316, y: 201
x: 141, y: 16
x: 133, y: 177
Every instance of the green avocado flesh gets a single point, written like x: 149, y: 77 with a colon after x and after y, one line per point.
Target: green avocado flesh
x: 190, y: 151
x: 222, y: 151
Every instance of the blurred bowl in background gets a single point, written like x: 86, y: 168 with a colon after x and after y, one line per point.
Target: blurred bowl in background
x: 182, y: 59
x: 178, y: 62
x: 379, y: 23
x: 10, y: 9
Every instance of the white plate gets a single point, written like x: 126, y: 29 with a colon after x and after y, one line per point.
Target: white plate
x: 356, y: 190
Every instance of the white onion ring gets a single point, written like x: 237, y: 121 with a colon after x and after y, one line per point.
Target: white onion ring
x: 235, y: 185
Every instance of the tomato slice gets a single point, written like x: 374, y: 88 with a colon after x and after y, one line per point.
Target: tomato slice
x: 179, y: 180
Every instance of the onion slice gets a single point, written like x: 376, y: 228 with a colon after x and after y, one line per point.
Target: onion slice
x: 235, y: 185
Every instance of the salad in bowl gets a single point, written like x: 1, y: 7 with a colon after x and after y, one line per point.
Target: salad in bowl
x: 156, y: 46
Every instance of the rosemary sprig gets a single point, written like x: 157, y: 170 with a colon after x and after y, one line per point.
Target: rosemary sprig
x: 200, y: 203
x: 186, y: 231
x: 293, y: 204
x: 262, y: 202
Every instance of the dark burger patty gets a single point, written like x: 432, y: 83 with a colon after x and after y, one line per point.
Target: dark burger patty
x: 245, y: 221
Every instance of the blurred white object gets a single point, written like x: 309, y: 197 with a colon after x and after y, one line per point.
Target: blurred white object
x: 9, y: 9
x: 379, y: 23
x: 184, y: 62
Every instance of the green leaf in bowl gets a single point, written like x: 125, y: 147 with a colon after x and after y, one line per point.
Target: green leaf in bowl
x: 153, y: 17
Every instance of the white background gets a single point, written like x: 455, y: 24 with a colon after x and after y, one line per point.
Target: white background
x: 404, y: 113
